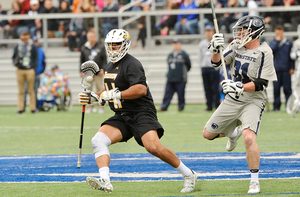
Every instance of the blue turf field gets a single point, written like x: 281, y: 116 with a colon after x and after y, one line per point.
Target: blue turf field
x: 143, y: 166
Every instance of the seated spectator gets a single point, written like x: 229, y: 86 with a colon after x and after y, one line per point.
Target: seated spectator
x: 251, y: 5
x: 64, y: 23
x: 25, y: 5
x: 34, y: 25
x: 76, y: 28
x: 3, y: 23
x: 122, y: 3
x: 52, y: 24
x: 167, y: 21
x: 100, y: 5
x: 271, y: 18
x: 187, y: 23
x: 84, y: 4
x: 208, y: 18
x: 229, y: 18
x: 290, y: 17
x: 15, y: 26
x: 90, y: 26
x: 109, y: 23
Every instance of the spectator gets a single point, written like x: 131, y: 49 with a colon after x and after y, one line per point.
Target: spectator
x: 167, y: 21
x: 34, y: 25
x: 3, y: 23
x: 179, y: 64
x: 288, y: 16
x: 109, y: 23
x: 64, y: 22
x: 100, y: 5
x: 25, y: 5
x: 122, y: 3
x: 284, y: 66
x: 210, y: 75
x: 15, y: 26
x: 76, y: 27
x: 271, y: 18
x: 251, y: 5
x: 142, y: 28
x: 90, y: 25
x: 229, y: 18
x: 187, y: 23
x: 208, y: 18
x: 93, y: 50
x: 52, y: 24
x: 39, y: 70
x: 25, y: 58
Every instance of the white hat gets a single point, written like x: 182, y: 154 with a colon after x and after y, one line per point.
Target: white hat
x: 34, y: 2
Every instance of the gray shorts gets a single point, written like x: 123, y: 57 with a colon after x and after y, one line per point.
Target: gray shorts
x: 232, y: 113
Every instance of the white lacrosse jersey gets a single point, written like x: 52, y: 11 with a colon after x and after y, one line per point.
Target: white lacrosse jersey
x: 248, y: 65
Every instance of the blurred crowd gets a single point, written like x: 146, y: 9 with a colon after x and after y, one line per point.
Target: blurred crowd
x: 74, y: 29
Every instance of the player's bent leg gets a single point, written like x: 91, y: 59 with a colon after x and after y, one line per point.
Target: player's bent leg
x: 152, y: 144
x: 211, y: 136
x: 232, y: 141
x: 106, y: 136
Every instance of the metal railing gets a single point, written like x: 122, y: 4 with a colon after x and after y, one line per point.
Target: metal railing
x: 148, y: 14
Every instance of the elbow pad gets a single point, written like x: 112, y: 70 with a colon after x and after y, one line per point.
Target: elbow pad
x: 216, y: 65
x: 260, y: 84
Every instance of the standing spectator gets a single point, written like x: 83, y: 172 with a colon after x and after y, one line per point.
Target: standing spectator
x: 34, y: 25
x: 109, y: 23
x: 39, y: 70
x: 93, y: 50
x: 210, y: 75
x: 241, y: 111
x: 135, y: 115
x: 52, y: 24
x: 3, y: 23
x: 187, y: 23
x: 142, y: 35
x: 25, y: 58
x: 284, y: 66
x: 179, y: 64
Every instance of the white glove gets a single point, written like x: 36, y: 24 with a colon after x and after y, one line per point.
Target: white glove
x: 115, y: 94
x: 216, y: 42
x: 88, y: 97
x: 232, y: 87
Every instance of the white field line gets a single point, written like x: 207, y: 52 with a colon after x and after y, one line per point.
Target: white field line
x: 295, y: 156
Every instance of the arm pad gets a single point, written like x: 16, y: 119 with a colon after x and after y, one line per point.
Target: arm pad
x: 216, y: 65
x: 260, y: 84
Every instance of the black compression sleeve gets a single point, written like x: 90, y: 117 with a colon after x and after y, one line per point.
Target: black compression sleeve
x: 260, y: 84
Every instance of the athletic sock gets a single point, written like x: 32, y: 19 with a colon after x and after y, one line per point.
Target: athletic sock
x: 104, y: 173
x: 234, y: 134
x: 185, y: 171
x: 254, y: 175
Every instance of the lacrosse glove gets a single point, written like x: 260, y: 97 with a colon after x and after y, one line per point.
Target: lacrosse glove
x: 232, y: 87
x: 89, y: 97
x: 216, y: 42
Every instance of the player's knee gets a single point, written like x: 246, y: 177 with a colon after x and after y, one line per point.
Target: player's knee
x: 100, y: 143
x: 249, y: 138
x: 152, y: 150
x: 209, y: 136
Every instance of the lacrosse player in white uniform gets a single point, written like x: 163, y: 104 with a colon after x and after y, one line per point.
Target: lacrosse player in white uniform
x: 252, y: 68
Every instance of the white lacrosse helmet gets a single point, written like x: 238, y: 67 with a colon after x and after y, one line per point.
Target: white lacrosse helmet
x: 121, y: 37
x: 247, y: 29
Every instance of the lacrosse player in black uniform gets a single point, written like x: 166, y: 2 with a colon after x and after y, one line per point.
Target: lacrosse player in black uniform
x: 135, y: 116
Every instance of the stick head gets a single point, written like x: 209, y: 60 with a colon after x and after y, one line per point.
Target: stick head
x: 89, y: 69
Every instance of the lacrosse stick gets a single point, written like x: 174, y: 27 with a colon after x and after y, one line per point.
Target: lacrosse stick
x: 217, y: 31
x: 89, y: 69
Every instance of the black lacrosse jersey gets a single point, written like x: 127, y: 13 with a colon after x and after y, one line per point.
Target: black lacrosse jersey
x: 123, y: 74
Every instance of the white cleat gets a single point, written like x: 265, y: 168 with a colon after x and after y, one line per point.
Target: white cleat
x: 232, y: 142
x: 295, y: 108
x: 100, y: 184
x: 254, y: 188
x: 189, y: 183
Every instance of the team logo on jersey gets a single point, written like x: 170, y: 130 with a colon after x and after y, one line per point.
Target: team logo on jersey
x: 214, y: 126
x: 245, y: 57
x: 126, y: 36
x: 112, y: 76
x: 117, y: 68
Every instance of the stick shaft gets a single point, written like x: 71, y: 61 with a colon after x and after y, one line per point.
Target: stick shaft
x: 220, y: 48
x: 81, y: 137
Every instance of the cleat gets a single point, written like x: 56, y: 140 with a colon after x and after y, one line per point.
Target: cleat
x: 232, y: 142
x: 254, y: 188
x: 100, y: 184
x: 295, y: 108
x: 189, y: 183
